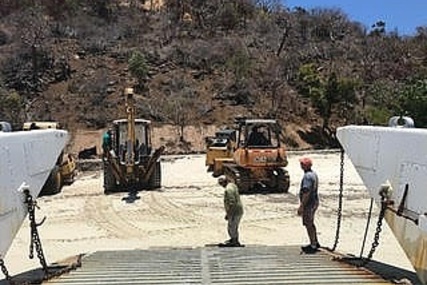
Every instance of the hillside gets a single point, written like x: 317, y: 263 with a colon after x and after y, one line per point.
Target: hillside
x: 199, y: 65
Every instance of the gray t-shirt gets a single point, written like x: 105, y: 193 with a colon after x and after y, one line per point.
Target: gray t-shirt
x: 309, y: 184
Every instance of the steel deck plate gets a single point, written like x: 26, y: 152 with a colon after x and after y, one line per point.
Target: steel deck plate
x: 214, y: 265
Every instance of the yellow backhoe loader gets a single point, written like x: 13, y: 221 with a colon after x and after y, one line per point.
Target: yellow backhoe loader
x: 130, y: 163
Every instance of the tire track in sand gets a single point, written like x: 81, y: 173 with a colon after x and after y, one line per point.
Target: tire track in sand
x: 101, y: 213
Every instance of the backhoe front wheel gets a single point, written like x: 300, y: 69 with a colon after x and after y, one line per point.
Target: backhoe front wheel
x: 283, y: 181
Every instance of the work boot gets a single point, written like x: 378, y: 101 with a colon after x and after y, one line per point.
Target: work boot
x: 310, y: 249
x: 231, y: 243
x: 308, y: 246
x: 305, y: 247
x: 226, y: 243
x: 234, y: 242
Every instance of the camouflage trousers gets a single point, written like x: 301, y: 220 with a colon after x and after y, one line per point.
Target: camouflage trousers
x: 233, y: 226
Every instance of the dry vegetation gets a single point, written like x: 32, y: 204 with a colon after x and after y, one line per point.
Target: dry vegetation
x: 201, y: 63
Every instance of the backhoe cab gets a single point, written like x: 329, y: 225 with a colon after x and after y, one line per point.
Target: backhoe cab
x: 257, y: 160
x: 130, y: 163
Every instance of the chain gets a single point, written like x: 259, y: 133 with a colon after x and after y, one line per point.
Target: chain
x: 4, y: 270
x: 35, y: 238
x: 35, y: 243
x: 340, y: 198
x: 376, y: 241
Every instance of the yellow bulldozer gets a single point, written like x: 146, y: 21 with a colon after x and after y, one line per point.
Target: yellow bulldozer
x: 219, y: 149
x: 129, y: 161
x: 254, y: 160
x: 65, y: 169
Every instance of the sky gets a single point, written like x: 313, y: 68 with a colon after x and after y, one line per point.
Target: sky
x: 401, y: 15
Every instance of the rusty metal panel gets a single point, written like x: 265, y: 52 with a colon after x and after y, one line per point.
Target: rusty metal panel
x: 212, y: 265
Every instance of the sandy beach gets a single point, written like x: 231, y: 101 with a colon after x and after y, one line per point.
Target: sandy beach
x: 188, y: 212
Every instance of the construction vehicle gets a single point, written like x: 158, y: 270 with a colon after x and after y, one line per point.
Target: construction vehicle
x: 257, y: 160
x: 5, y: 127
x: 219, y: 148
x: 130, y: 163
x: 41, y: 125
x: 65, y: 169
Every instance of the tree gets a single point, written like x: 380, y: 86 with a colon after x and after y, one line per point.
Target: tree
x: 272, y: 84
x: 378, y: 29
x: 57, y: 9
x: 176, y: 109
x: 103, y: 8
x: 179, y: 106
x: 309, y: 82
x: 30, y: 69
x: 177, y: 113
x: 229, y: 17
x: 269, y: 6
x: 138, y: 68
x: 381, y: 101
x: 240, y: 64
x: 11, y: 106
x: 413, y: 101
x: 326, y: 94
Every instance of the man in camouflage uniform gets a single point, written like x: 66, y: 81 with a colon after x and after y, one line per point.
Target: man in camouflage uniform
x: 233, y: 210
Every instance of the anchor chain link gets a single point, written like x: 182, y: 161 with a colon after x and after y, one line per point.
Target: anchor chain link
x: 340, y: 198
x: 35, y: 244
x: 376, y: 241
x: 4, y: 270
x: 35, y: 238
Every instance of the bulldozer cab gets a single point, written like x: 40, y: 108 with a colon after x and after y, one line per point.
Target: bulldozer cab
x: 222, y: 138
x: 140, y: 147
x: 258, y: 133
x: 258, y: 160
x: 220, y: 149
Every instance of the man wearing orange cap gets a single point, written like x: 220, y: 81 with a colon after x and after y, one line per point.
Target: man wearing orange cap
x: 309, y: 201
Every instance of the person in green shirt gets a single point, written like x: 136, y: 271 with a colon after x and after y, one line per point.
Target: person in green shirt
x: 233, y: 210
x: 107, y: 141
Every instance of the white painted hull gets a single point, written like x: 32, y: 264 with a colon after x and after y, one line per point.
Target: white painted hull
x: 26, y: 158
x: 396, y: 157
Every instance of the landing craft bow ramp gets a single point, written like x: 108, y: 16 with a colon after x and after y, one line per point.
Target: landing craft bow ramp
x: 213, y: 265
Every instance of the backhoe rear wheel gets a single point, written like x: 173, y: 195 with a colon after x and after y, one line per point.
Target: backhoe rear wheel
x: 53, y: 183
x: 156, y: 177
x: 109, y: 179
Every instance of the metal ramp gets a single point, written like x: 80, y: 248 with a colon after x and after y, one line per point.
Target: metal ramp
x: 212, y: 265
